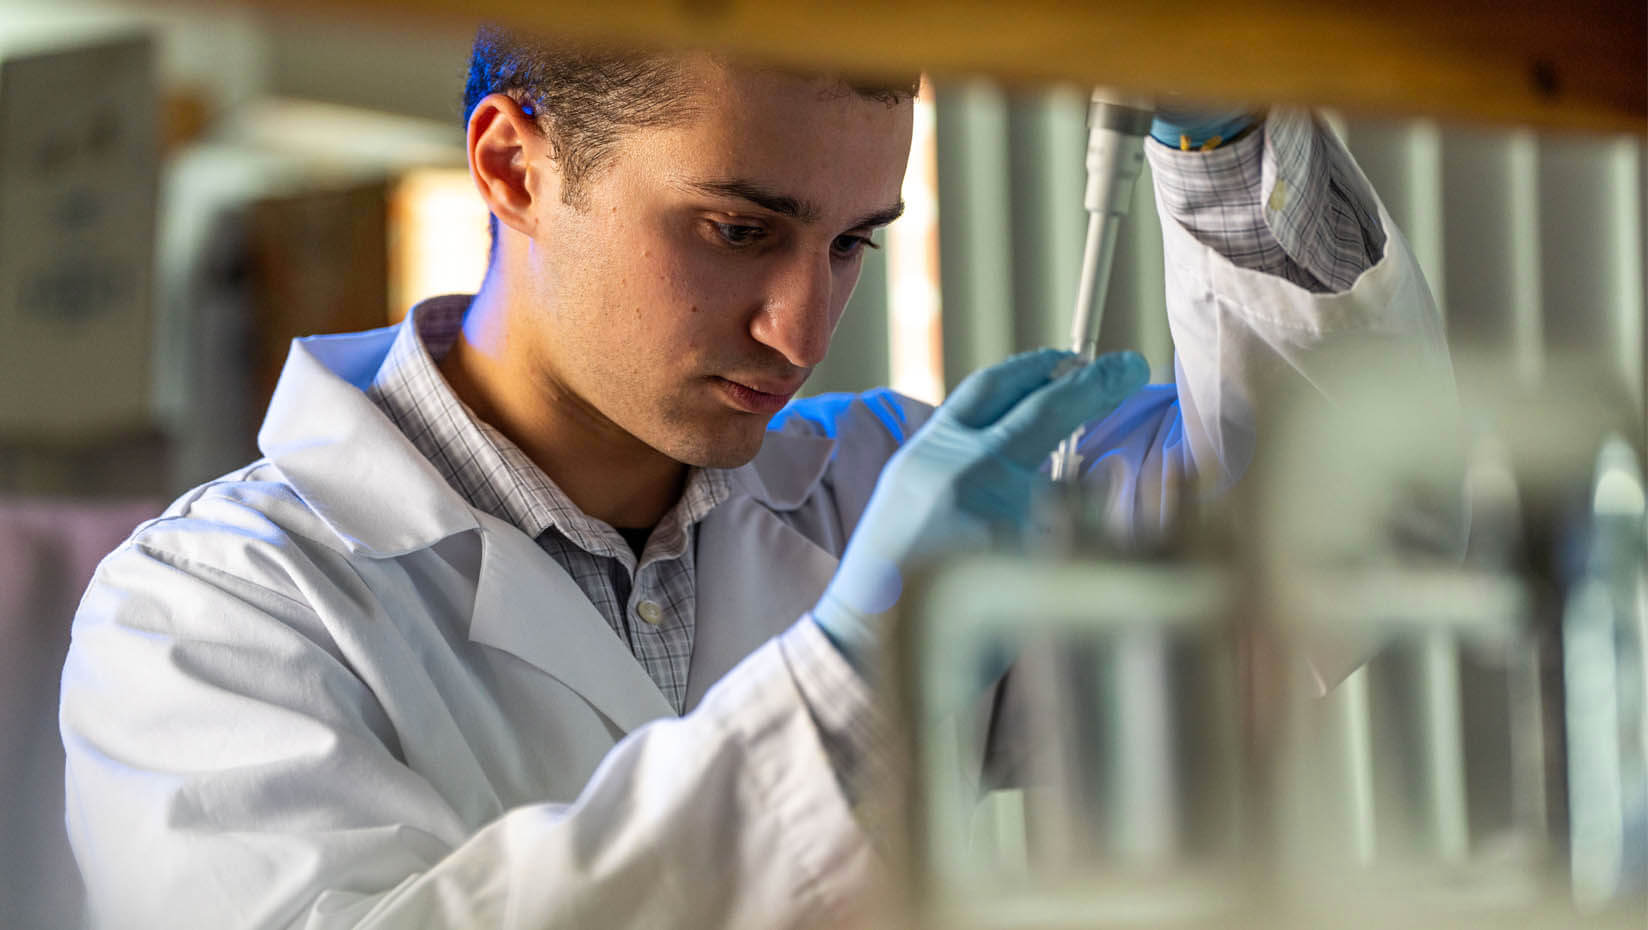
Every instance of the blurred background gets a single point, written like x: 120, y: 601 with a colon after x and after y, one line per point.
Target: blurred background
x: 184, y: 190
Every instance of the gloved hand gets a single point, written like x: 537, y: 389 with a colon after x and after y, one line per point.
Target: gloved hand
x: 1190, y: 129
x: 969, y: 472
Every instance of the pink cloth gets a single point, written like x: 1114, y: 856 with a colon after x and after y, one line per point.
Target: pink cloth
x: 49, y: 548
x: 73, y: 534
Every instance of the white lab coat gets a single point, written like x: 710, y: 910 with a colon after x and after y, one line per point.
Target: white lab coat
x: 325, y: 691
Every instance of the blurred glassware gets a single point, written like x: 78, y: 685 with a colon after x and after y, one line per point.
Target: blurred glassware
x: 1410, y: 692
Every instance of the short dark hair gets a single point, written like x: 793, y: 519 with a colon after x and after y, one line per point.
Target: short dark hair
x: 584, y: 98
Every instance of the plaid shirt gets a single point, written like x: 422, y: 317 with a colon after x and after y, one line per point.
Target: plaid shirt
x: 648, y: 602
x: 1287, y: 201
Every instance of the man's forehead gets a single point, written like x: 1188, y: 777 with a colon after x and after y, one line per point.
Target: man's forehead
x: 711, y: 68
x: 801, y: 146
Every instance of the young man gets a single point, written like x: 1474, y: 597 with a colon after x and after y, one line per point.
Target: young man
x: 528, y: 619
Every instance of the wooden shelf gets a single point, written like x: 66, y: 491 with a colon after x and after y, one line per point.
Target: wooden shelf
x: 1580, y: 64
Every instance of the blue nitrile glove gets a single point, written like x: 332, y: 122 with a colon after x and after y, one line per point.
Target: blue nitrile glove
x: 1194, y: 130
x: 969, y: 471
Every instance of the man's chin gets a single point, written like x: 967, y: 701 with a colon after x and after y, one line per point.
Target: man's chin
x: 732, y: 454
x: 720, y: 451
x: 728, y: 461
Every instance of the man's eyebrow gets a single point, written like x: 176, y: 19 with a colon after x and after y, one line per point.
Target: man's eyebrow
x: 766, y: 198
x: 784, y: 204
x: 881, y: 217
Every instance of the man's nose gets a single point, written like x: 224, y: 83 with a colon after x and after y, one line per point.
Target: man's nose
x: 797, y: 318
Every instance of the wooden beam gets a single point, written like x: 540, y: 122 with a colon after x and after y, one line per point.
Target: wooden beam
x: 1578, y: 64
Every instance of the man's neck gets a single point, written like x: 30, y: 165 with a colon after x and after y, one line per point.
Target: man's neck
x: 609, y: 474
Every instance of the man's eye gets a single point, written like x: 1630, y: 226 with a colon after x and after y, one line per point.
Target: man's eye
x: 736, y: 235
x: 849, y: 245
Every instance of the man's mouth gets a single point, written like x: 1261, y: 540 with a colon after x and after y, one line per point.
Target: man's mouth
x: 761, y: 396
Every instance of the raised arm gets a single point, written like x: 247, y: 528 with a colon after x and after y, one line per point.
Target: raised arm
x: 1280, y: 259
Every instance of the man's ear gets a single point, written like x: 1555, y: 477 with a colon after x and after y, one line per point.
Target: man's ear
x: 508, y: 161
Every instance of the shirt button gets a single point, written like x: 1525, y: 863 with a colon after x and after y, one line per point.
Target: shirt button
x: 1279, y: 196
x: 650, y: 612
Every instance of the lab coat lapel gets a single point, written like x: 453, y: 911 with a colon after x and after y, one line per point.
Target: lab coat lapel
x: 528, y: 606
x: 384, y: 499
x: 756, y: 574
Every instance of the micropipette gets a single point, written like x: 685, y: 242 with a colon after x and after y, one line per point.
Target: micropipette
x: 1116, y: 132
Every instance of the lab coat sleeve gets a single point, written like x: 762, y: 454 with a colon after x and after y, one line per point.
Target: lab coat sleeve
x: 227, y: 769
x: 1242, y: 336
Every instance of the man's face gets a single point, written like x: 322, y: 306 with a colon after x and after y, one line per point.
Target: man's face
x: 700, y: 279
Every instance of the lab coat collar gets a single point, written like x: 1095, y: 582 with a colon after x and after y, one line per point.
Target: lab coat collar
x: 347, y: 460
x: 786, y: 470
